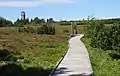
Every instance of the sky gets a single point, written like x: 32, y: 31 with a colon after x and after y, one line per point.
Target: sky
x: 60, y: 9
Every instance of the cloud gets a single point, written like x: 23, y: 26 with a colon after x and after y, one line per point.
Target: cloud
x: 19, y: 3
x: 31, y: 3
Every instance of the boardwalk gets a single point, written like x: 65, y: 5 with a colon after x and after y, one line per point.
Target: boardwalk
x: 76, y: 61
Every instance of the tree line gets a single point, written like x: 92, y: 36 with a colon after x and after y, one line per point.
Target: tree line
x: 37, y: 22
x: 18, y: 23
x: 5, y: 22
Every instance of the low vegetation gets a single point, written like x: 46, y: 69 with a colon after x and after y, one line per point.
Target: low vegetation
x: 102, y: 36
x: 30, y: 54
x: 102, y: 42
x: 44, y: 29
x: 104, y: 62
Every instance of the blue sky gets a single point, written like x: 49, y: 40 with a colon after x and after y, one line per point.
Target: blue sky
x: 60, y: 9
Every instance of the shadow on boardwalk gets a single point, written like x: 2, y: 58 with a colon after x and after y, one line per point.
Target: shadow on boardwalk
x: 64, y: 70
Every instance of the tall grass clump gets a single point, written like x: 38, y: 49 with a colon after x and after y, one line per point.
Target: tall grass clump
x: 27, y: 29
x: 44, y: 29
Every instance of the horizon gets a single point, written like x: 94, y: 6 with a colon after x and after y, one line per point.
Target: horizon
x: 59, y: 9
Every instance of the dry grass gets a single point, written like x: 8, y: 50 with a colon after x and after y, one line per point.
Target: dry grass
x: 36, y: 50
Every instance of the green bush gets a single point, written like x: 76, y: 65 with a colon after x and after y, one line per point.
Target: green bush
x: 27, y: 29
x: 90, y: 27
x: 105, y: 37
x: 46, y: 29
x: 101, y: 37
